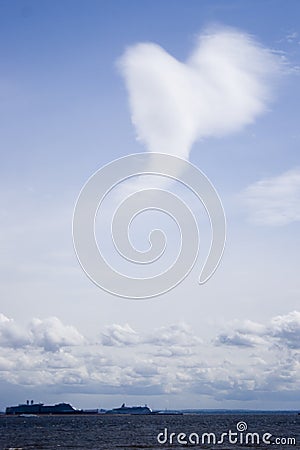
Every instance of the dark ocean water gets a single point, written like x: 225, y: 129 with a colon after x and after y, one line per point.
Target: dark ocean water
x: 108, y: 432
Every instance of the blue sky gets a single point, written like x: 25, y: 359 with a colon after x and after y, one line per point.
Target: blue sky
x: 64, y: 113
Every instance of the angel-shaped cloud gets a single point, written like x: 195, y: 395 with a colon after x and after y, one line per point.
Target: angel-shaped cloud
x: 223, y: 86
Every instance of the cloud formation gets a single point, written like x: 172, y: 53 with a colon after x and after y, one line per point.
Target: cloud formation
x: 275, y: 200
x: 283, y: 331
x: 50, y: 334
x: 119, y: 335
x: 223, y: 86
x: 174, y: 335
x: 130, y: 362
x: 12, y: 335
x: 286, y: 329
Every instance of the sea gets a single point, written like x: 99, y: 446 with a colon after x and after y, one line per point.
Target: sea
x: 161, y: 431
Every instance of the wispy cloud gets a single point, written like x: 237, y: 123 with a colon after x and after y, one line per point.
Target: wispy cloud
x: 292, y: 36
x: 223, y: 85
x: 274, y: 200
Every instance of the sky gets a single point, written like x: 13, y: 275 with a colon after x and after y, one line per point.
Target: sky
x: 214, y: 82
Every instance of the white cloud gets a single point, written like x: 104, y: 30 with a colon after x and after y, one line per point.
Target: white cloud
x: 175, y: 335
x: 247, y: 334
x: 224, y: 85
x: 138, y: 363
x: 239, y: 339
x: 174, y: 339
x: 119, y: 335
x: 286, y: 329
x: 274, y: 200
x: 282, y: 331
x: 11, y: 334
x: 52, y: 334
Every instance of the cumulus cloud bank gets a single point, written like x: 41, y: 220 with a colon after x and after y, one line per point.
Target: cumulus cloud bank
x: 223, y: 85
x: 132, y: 362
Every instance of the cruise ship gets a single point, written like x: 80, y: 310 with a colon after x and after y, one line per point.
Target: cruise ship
x: 130, y: 410
x: 39, y: 408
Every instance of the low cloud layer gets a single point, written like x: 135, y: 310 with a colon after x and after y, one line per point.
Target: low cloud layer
x: 223, y: 86
x: 170, y: 360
